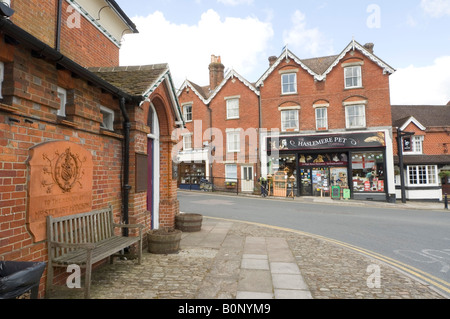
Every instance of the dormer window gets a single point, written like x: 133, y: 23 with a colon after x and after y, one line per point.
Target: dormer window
x: 289, y: 83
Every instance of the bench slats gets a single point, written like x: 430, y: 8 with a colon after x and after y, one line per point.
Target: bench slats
x: 66, y: 236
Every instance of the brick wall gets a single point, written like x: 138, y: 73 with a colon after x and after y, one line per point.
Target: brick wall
x: 39, y: 19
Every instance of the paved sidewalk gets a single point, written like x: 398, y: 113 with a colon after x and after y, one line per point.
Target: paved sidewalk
x: 234, y: 260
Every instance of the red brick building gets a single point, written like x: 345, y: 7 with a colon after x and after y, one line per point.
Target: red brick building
x: 60, y: 93
x: 322, y: 123
x: 426, y: 157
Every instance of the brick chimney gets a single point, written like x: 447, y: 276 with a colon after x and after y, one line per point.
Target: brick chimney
x: 216, y: 72
x: 272, y: 60
x: 369, y: 47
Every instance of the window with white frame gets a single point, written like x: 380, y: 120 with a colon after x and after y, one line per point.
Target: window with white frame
x: 289, y: 83
x: 230, y: 172
x: 322, y: 119
x: 355, y: 116
x: 62, y: 96
x: 416, y: 145
x: 108, y: 118
x: 187, y: 112
x: 187, y: 142
x: 289, y: 120
x: 233, y: 141
x: 353, y: 78
x: 422, y: 175
x: 2, y: 76
x: 232, y: 108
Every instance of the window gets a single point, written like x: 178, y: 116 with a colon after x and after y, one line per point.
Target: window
x: 368, y: 172
x: 289, y: 120
x: 353, y: 77
x: 422, y: 175
x: 355, y: 116
x: 233, y: 141
x: 231, y: 173
x: 187, y: 113
x: 233, y: 108
x: 322, y: 119
x: 187, y: 142
x: 2, y: 76
x: 289, y: 83
x: 62, y: 96
x: 416, y: 145
x: 108, y: 118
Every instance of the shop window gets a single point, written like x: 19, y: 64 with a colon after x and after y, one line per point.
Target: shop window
x: 230, y: 173
x: 355, y: 116
x: 232, y: 108
x: 289, y: 83
x: 233, y: 141
x: 422, y: 175
x: 108, y: 118
x: 289, y: 120
x: 353, y: 77
x: 368, y: 172
x: 2, y: 76
x: 187, y: 142
x: 62, y: 96
x: 187, y: 113
x: 322, y: 119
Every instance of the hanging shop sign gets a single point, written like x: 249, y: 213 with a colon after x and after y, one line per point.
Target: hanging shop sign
x: 314, y: 142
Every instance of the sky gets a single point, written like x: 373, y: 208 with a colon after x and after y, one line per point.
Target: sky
x: 412, y: 36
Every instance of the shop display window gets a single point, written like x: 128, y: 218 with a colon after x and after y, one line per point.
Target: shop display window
x: 368, y: 172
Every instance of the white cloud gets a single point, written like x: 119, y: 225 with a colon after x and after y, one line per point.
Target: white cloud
x: 188, y: 48
x: 422, y: 85
x: 307, y: 42
x: 436, y: 8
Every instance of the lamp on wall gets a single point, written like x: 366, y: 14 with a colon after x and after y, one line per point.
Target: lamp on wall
x: 5, y: 10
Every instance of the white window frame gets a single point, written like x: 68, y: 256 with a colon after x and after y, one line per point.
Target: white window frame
x: 108, y: 121
x: 232, y: 108
x: 231, y: 176
x: 187, y: 142
x: 353, y: 76
x: 185, y: 113
x: 324, y: 119
x: 62, y: 96
x: 348, y: 121
x: 284, y: 122
x: 420, y: 175
x: 288, y: 83
x: 233, y: 141
x: 416, y: 145
x: 2, y: 77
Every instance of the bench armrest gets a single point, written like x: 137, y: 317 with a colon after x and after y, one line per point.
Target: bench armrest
x: 88, y: 246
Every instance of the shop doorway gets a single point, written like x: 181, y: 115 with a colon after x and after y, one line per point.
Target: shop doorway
x: 305, y: 182
x: 247, y: 183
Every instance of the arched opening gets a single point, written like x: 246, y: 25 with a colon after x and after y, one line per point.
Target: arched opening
x: 153, y: 152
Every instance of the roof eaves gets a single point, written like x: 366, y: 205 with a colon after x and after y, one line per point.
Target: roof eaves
x: 231, y: 74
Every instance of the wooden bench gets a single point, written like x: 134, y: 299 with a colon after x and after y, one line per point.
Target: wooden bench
x: 85, y: 239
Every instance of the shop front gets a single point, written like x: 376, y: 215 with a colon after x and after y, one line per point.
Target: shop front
x: 349, y: 165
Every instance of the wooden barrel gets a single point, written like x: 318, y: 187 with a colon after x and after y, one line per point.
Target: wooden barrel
x: 188, y: 222
x: 163, y: 242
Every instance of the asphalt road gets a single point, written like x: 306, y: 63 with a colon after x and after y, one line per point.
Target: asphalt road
x: 416, y: 241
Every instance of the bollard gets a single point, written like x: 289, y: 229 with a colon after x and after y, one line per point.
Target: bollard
x: 446, y: 202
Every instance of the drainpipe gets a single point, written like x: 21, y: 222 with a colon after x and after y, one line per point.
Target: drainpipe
x: 58, y: 26
x: 126, y: 164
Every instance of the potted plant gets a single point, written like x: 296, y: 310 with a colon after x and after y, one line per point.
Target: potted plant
x: 164, y: 241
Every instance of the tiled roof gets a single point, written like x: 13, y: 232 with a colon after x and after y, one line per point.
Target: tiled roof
x: 427, y: 115
x: 320, y: 65
x: 134, y: 80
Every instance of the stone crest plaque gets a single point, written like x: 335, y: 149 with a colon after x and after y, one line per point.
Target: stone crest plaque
x: 60, y: 183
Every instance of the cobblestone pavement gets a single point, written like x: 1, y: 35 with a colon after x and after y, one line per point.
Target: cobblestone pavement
x: 210, y: 265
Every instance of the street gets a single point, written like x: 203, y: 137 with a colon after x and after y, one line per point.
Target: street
x: 413, y: 240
